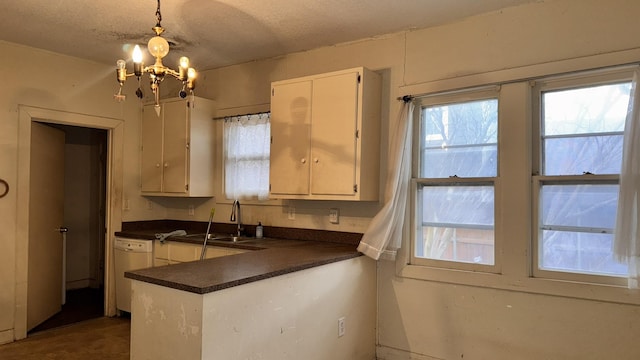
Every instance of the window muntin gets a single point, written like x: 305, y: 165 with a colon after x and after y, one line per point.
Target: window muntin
x: 581, y: 151
x: 455, y: 189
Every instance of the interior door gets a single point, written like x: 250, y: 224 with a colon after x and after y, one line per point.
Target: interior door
x: 46, y: 212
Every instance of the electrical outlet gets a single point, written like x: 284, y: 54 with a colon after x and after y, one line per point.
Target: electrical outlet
x: 149, y: 205
x: 334, y: 216
x: 341, y: 328
x: 291, y: 214
x: 126, y: 205
x: 192, y: 211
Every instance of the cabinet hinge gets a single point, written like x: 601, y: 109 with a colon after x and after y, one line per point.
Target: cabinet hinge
x: 355, y: 188
x: 271, y: 141
x: 187, y: 145
x: 186, y: 187
x: 273, y: 91
x: 357, y: 134
x: 359, y: 78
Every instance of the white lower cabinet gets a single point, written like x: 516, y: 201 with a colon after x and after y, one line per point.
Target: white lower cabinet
x: 171, y: 252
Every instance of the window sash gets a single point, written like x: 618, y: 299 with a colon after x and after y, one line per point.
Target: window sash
x: 545, y: 174
x: 539, y: 229
x: 421, y: 147
x: 419, y: 226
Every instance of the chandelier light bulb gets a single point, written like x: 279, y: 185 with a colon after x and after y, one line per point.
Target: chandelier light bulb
x: 184, y: 62
x: 158, y: 47
x: 121, y: 64
x: 137, y: 55
x: 191, y: 73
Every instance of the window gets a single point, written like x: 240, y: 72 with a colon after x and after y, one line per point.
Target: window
x: 246, y: 156
x: 515, y: 186
x: 455, y: 180
x: 581, y: 125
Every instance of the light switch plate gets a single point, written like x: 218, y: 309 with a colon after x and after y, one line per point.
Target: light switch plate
x: 334, y: 216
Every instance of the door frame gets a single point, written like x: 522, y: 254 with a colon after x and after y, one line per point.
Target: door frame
x: 114, y: 176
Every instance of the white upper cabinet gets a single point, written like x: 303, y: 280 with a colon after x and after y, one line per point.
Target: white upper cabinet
x: 325, y: 132
x: 178, y: 148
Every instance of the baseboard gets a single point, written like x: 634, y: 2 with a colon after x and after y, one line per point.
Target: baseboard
x: 386, y: 353
x: 78, y: 284
x: 6, y: 336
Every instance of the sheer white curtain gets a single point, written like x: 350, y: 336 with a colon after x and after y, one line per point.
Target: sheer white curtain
x: 626, y: 246
x: 384, y: 234
x: 246, y: 156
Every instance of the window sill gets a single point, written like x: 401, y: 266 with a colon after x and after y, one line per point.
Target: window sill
x: 552, y: 287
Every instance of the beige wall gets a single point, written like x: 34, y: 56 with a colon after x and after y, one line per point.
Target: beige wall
x: 420, y: 319
x: 417, y: 319
x: 76, y: 91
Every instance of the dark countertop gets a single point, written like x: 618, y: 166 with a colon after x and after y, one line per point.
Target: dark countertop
x: 270, y: 257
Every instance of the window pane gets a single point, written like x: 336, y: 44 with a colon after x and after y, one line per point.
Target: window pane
x: 579, y: 252
x: 585, y: 206
x: 460, y: 139
x: 582, y: 129
x: 479, y: 161
x: 457, y: 224
x: 576, y: 155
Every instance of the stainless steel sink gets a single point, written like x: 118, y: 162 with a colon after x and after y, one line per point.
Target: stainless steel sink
x: 230, y: 238
x: 220, y: 237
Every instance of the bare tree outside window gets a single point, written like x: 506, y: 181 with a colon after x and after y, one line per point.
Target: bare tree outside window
x: 582, y: 134
x: 458, y: 141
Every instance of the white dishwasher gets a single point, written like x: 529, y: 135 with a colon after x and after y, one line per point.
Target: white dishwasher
x: 129, y: 254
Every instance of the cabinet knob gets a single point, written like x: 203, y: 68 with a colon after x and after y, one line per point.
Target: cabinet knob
x: 166, y: 164
x: 315, y: 160
x: 157, y: 165
x: 303, y: 160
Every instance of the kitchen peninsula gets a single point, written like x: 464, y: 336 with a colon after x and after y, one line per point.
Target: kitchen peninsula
x: 284, y: 298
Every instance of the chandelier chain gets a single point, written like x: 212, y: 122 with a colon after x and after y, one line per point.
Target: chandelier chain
x: 158, y: 15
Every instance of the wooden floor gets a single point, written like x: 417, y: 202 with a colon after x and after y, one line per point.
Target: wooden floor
x: 97, y: 339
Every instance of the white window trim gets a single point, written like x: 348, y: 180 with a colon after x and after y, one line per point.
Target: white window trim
x: 219, y: 136
x: 558, y: 83
x: 476, y: 94
x: 516, y: 269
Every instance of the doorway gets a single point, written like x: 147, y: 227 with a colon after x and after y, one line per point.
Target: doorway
x: 114, y: 185
x: 85, y: 170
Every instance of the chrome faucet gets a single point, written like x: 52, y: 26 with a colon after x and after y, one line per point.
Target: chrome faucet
x: 236, y: 216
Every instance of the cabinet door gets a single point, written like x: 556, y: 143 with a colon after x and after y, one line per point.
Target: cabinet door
x: 183, y: 252
x: 175, y: 152
x: 290, y: 135
x: 218, y: 251
x: 333, y: 134
x: 151, y: 163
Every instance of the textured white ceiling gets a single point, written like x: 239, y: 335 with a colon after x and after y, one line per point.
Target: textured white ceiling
x: 219, y: 33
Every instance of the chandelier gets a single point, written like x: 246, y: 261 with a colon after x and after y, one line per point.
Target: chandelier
x: 158, y: 47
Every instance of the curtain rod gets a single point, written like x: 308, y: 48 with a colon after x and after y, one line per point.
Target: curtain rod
x: 239, y: 115
x: 621, y: 67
